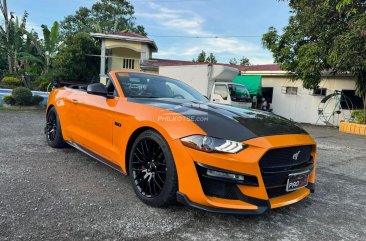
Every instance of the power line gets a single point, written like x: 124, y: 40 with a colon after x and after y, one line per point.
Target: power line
x: 160, y: 1
x: 166, y: 1
x: 199, y: 37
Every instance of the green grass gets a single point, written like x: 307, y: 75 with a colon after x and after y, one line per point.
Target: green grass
x: 20, y: 108
x: 5, y: 109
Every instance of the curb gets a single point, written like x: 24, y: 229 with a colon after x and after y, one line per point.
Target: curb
x: 352, y: 128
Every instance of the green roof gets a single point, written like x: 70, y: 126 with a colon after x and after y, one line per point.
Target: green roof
x: 252, y: 82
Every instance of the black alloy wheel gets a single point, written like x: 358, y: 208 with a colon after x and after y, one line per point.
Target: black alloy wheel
x: 152, y: 170
x: 51, y: 126
x: 149, y: 167
x: 53, y: 129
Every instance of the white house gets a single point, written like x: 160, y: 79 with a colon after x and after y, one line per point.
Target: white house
x: 290, y: 100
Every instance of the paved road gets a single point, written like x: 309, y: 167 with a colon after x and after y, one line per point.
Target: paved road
x: 49, y: 194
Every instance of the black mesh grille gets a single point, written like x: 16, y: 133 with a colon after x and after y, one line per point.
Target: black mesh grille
x: 217, y: 188
x: 285, y: 158
x: 277, y: 164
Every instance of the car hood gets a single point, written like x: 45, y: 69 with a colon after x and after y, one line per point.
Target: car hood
x: 223, y: 121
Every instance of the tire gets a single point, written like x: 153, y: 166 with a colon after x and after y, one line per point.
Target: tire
x: 53, y: 130
x: 152, y: 170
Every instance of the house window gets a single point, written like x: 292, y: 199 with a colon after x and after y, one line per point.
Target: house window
x: 128, y: 63
x: 291, y: 90
x: 320, y: 91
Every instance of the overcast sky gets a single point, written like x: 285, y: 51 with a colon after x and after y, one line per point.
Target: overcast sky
x: 189, y: 18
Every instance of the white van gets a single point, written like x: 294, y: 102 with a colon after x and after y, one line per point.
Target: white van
x: 212, y: 81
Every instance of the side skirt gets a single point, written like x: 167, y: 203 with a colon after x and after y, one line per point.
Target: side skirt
x: 96, y: 157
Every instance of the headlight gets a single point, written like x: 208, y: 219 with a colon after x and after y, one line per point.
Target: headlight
x: 211, y: 144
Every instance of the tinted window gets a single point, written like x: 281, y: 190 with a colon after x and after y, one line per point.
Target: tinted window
x: 136, y: 85
x: 238, y: 92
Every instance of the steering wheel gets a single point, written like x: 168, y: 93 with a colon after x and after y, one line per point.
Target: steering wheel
x: 178, y: 96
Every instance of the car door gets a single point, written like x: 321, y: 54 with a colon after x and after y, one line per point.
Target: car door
x: 95, y: 120
x: 67, y: 110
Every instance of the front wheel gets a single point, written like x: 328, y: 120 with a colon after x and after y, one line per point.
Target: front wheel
x: 152, y: 170
x: 53, y: 130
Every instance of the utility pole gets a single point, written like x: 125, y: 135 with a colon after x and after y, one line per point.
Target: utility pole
x: 4, y: 10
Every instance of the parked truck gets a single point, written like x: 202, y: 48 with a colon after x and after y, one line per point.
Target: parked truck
x: 212, y: 81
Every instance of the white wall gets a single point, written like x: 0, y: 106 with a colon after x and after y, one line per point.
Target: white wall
x: 200, y: 77
x: 303, y: 107
x: 194, y: 75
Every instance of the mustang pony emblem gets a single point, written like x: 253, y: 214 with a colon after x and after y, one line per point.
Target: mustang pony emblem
x: 296, y: 155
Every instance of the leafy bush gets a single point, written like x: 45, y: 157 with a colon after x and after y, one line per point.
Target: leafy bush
x: 359, y: 116
x: 9, y: 99
x: 36, y: 99
x: 11, y: 81
x: 43, y: 86
x: 22, y: 96
x: 72, y: 61
x: 44, y: 80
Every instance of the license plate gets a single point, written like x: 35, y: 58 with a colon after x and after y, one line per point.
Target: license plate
x: 297, y: 180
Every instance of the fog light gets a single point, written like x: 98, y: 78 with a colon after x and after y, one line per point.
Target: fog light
x: 214, y: 173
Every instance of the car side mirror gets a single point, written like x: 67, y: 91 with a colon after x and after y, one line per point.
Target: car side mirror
x: 97, y: 89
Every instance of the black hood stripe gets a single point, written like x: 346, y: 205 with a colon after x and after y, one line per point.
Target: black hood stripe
x: 226, y: 122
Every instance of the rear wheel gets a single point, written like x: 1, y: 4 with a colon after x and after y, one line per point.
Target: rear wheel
x: 152, y: 170
x: 53, y: 130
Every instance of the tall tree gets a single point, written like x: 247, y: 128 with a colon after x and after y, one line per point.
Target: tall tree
x: 5, y: 31
x: 233, y: 61
x: 50, y: 43
x: 201, y: 57
x: 211, y: 58
x: 15, y: 43
x: 103, y: 16
x: 244, y: 61
x: 322, y: 35
x: 74, y: 60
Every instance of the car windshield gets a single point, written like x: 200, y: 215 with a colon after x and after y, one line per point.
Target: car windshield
x: 238, y: 91
x: 136, y: 85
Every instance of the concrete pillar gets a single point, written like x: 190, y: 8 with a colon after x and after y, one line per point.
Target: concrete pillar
x: 102, y: 59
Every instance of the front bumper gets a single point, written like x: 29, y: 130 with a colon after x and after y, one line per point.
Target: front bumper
x: 242, y: 199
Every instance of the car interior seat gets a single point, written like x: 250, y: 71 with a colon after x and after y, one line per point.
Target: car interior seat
x: 158, y: 89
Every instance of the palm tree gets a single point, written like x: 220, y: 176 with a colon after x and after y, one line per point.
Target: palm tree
x: 5, y: 32
x: 51, y: 41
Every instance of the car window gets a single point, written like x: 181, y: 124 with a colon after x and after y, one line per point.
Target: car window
x: 136, y: 85
x: 238, y: 91
x: 222, y: 91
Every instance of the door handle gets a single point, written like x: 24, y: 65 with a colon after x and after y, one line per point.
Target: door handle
x: 75, y: 101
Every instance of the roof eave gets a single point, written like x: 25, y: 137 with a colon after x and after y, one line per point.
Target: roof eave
x: 147, y: 67
x: 128, y: 38
x: 265, y: 73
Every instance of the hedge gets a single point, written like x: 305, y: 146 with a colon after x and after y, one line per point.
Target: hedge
x: 11, y: 81
x: 22, y: 96
x: 9, y: 99
x: 359, y: 116
x: 36, y: 99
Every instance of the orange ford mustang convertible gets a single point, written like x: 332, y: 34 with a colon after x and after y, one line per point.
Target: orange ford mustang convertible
x: 176, y: 146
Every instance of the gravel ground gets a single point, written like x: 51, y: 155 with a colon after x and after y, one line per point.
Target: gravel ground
x: 62, y: 194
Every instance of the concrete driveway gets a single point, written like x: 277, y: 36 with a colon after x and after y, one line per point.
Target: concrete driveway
x: 62, y: 194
